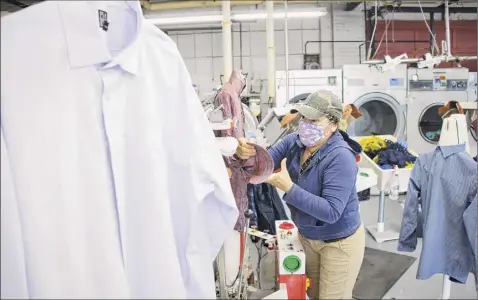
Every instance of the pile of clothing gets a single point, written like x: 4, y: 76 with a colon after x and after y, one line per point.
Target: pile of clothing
x: 386, y: 153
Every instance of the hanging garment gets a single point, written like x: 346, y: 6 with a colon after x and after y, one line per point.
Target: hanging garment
x: 242, y: 170
x: 252, y: 205
x: 113, y: 202
x: 469, y: 218
x: 444, y: 183
x: 267, y: 206
x: 14, y: 283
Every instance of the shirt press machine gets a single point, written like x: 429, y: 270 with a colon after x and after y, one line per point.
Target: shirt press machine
x: 291, y: 281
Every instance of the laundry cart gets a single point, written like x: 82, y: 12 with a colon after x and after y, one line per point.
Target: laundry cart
x: 384, y: 178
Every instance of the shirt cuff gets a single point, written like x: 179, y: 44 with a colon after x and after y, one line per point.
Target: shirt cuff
x: 289, y: 195
x: 405, y: 248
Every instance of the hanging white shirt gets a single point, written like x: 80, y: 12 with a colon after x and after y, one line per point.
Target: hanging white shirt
x: 14, y: 279
x: 121, y: 189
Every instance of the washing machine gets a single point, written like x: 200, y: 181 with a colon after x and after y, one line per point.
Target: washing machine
x: 472, y: 86
x: 473, y: 96
x: 304, y: 82
x: 428, y: 90
x: 379, y: 96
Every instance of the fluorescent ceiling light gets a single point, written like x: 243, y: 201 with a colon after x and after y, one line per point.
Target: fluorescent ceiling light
x: 279, y: 15
x: 186, y: 20
x: 235, y: 17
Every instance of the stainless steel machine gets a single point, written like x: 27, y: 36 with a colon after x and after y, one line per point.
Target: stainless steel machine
x: 379, y: 96
x: 304, y: 82
x: 429, y: 89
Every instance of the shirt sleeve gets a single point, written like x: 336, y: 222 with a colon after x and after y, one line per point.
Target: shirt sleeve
x: 469, y: 218
x: 408, y: 231
x: 203, y: 208
x: 227, y: 109
x: 279, y: 151
x: 13, y: 279
x: 339, y: 182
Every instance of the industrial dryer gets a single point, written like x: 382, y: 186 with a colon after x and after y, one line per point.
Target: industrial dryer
x: 379, y: 96
x: 304, y: 82
x: 429, y: 89
x: 472, y: 86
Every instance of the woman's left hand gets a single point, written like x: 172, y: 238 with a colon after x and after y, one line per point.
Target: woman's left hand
x: 281, y: 179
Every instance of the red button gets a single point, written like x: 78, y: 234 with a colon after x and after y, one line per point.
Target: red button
x: 286, y: 226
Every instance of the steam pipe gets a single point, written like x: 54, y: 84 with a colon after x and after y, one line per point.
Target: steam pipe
x: 270, y: 52
x: 226, y: 39
x: 415, y: 60
x: 447, y: 29
x: 286, y: 47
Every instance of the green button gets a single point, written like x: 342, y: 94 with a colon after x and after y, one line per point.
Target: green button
x: 292, y: 263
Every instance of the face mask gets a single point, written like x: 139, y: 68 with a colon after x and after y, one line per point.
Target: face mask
x: 310, y: 134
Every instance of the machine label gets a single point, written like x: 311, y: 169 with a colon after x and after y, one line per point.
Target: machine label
x: 397, y: 81
x: 439, y: 82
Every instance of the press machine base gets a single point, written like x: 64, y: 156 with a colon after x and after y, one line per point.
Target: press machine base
x: 291, y: 280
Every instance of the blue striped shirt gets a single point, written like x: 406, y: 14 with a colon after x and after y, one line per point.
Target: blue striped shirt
x: 443, y: 182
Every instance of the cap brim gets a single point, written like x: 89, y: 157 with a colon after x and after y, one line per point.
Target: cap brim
x: 307, y: 111
x: 264, y: 166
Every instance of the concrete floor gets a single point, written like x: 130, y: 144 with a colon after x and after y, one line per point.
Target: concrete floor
x: 407, y: 287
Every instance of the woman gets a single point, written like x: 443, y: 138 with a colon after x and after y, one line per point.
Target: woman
x: 318, y: 171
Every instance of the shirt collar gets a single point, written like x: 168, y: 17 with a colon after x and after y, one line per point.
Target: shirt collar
x: 84, y: 40
x: 451, y: 150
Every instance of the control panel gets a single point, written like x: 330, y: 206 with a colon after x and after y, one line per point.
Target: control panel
x: 290, y: 252
x: 439, y: 85
x: 447, y: 79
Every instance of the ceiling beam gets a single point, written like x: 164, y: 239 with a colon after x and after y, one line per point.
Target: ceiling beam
x: 17, y: 3
x: 351, y: 6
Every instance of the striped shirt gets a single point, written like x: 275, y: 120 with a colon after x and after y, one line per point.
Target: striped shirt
x: 444, y: 183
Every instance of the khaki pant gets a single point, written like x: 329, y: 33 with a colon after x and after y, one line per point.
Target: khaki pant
x: 333, y: 267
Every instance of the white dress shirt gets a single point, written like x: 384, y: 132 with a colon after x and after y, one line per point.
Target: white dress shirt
x: 13, y: 279
x: 120, y: 187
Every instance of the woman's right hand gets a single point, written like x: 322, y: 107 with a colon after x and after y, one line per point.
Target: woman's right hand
x: 245, y: 150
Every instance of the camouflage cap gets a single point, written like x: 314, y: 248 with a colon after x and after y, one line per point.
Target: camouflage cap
x: 319, y: 104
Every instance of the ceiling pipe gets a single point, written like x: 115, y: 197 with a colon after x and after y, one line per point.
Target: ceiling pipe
x: 191, y: 4
x: 286, y: 47
x: 271, y: 53
x: 226, y: 39
x: 447, y: 29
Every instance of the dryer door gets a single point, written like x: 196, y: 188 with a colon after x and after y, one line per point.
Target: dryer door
x: 382, y: 115
x: 430, y: 123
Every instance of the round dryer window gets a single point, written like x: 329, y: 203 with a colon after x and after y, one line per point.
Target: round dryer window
x: 381, y: 115
x: 430, y: 123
